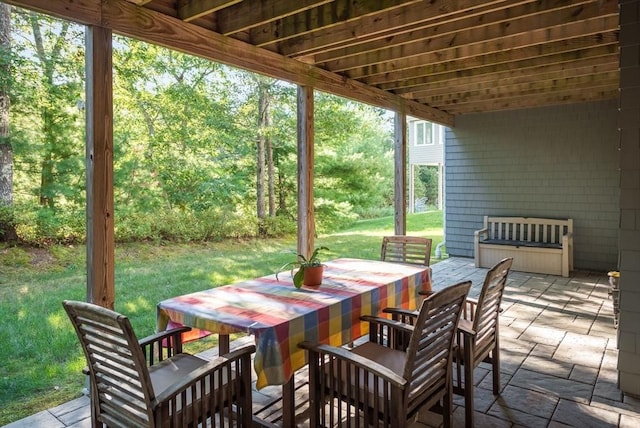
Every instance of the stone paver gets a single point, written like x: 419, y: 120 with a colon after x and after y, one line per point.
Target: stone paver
x: 528, y: 401
x: 558, y: 354
x: 583, y: 416
x: 580, y: 349
x: 552, y: 385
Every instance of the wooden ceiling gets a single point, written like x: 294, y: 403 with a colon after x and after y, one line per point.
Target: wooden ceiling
x: 440, y: 58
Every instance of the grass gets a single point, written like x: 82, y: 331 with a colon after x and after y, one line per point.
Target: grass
x: 40, y: 357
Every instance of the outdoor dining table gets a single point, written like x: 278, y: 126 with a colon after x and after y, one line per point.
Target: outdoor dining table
x: 280, y: 316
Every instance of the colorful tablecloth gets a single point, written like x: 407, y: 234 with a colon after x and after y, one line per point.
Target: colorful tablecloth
x: 281, y: 316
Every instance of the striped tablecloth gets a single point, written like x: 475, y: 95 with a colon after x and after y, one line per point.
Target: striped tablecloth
x: 281, y: 316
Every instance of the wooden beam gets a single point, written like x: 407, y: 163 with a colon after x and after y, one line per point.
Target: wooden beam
x: 306, y: 218
x: 445, y: 82
x: 322, y: 17
x: 189, y: 10
x: 496, y: 26
x: 153, y: 27
x: 387, y: 25
x: 548, y: 99
x: 501, y: 50
x: 521, y: 77
x: 249, y: 14
x: 400, y: 172
x: 85, y: 12
x: 533, y: 56
x: 568, y: 58
x: 99, y: 147
x: 559, y: 87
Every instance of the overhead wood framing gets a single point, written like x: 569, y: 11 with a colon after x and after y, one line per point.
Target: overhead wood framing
x: 396, y: 54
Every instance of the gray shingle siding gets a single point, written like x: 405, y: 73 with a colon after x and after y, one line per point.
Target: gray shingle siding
x: 557, y: 162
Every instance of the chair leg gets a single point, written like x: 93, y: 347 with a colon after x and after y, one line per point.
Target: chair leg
x: 447, y: 408
x: 495, y: 368
x: 468, y: 385
x: 458, y: 363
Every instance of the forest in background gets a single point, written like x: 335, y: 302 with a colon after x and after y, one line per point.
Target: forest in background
x: 202, y: 151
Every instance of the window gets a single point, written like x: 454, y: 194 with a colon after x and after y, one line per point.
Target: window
x: 424, y: 133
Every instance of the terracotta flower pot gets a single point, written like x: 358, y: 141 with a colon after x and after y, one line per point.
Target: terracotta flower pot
x: 312, y: 276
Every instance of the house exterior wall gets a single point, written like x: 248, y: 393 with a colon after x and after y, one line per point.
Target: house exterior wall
x: 629, y: 140
x: 557, y: 162
x: 429, y: 154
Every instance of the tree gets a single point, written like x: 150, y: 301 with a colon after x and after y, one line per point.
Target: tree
x: 58, y: 150
x: 48, y: 145
x: 263, y: 126
x: 6, y: 152
x: 264, y: 153
x: 7, y: 230
x: 428, y: 178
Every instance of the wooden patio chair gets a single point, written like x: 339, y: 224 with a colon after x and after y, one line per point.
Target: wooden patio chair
x: 478, y: 337
x: 152, y: 383
x: 384, y: 383
x: 406, y: 249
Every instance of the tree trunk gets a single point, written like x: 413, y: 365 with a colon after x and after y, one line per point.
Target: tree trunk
x: 263, y: 122
x: 7, y: 228
x: 6, y: 150
x: 271, y: 179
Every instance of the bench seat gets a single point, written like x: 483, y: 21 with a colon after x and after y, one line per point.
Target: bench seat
x: 522, y: 243
x: 538, y: 245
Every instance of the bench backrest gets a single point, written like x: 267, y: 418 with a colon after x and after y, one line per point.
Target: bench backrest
x: 530, y: 229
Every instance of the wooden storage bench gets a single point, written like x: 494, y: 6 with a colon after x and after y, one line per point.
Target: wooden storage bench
x: 540, y: 245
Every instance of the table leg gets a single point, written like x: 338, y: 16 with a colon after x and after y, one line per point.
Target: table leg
x: 223, y: 344
x: 288, y: 403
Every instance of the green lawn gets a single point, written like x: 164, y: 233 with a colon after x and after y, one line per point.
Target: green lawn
x: 40, y: 357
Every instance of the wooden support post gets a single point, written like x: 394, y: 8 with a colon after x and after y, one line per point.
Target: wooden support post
x: 99, y: 164
x: 400, y: 172
x: 306, y: 219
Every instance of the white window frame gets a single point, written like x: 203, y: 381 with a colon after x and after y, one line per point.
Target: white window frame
x: 428, y: 138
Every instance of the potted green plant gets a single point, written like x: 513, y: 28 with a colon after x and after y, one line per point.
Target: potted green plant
x: 309, y: 271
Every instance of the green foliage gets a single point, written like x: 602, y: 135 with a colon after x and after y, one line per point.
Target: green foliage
x: 184, y: 151
x: 7, y: 221
x: 332, y: 215
x: 427, y: 184
x: 41, y: 226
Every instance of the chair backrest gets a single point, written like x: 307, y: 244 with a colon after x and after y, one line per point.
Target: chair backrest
x: 485, y: 318
x: 120, y: 382
x: 430, y: 351
x: 406, y: 249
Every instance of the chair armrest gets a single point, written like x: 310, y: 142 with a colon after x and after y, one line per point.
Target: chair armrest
x: 403, y: 315
x: 218, y: 364
x: 385, y: 322
x: 480, y: 232
x: 162, y: 345
x: 390, y: 333
x: 466, y: 328
x: 359, y: 361
x: 567, y: 238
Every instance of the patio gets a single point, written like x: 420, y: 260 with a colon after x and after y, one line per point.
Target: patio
x: 558, y: 354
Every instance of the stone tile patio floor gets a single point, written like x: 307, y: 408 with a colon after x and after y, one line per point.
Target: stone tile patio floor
x: 558, y: 351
